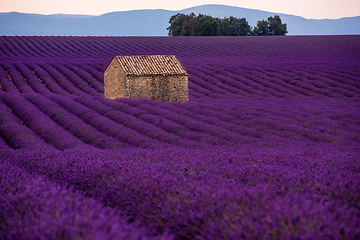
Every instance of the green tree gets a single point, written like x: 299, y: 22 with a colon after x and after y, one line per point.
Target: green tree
x: 261, y: 29
x: 188, y: 28
x: 176, y: 24
x: 235, y: 27
x: 206, y: 26
x: 272, y: 26
x: 275, y: 26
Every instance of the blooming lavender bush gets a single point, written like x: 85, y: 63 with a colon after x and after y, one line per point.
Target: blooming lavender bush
x: 267, y: 147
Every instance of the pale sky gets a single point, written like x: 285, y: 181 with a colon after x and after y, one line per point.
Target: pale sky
x: 314, y: 9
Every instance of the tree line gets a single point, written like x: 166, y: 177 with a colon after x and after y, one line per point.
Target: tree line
x: 205, y: 25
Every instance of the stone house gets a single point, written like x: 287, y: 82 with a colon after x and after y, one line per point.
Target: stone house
x: 155, y: 77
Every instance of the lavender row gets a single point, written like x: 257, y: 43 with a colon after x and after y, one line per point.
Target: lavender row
x: 195, y: 124
x: 73, y: 124
x: 348, y: 81
x: 27, y: 48
x: 32, y: 80
x: 323, y: 117
x: 149, y: 130
x: 17, y: 79
x: 260, y: 123
x: 236, y: 85
x: 17, y: 136
x: 103, y: 124
x: 282, y: 87
x: 285, y: 192
x: 251, y: 81
x: 99, y: 75
x: 161, y: 120
x: 33, y: 207
x: 152, y: 131
x: 76, y: 80
x: 61, y: 80
x: 256, y: 119
x: 255, y: 77
x: 348, y: 91
x: 40, y: 123
x: 253, y: 49
x: 46, y: 79
x: 5, y: 83
x: 221, y: 119
x: 87, y: 77
x: 213, y: 85
x: 325, y: 85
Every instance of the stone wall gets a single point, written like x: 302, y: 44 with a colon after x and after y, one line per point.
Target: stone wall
x: 139, y: 87
x: 178, y: 89
x: 114, y: 84
x: 159, y: 88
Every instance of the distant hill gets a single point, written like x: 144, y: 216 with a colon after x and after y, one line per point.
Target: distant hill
x: 155, y: 22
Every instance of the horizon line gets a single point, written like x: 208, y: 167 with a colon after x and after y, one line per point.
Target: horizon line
x: 90, y: 15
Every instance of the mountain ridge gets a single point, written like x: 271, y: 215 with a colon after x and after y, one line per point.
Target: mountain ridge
x: 149, y: 22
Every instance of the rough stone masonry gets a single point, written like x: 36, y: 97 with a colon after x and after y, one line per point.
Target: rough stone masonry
x: 155, y: 77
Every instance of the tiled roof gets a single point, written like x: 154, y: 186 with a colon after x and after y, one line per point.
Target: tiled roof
x: 151, y: 65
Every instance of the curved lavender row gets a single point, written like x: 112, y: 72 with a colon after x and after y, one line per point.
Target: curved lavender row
x: 76, y: 47
x: 254, y: 80
x: 76, y: 80
x: 72, y: 124
x: 221, y: 87
x: 16, y: 78
x: 276, y: 49
x: 32, y: 80
x: 267, y: 121
x: 235, y: 71
x: 44, y: 48
x: 193, y: 129
x: 99, y: 75
x: 157, y: 129
x: 85, y: 46
x: 61, y: 80
x: 192, y: 124
x: 101, y: 123
x: 32, y: 207
x: 136, y: 111
x: 236, y: 85
x: 195, y: 89
x: 192, y: 139
x: 152, y: 131
x: 4, y: 50
x: 210, y: 87
x: 46, y: 79
x: 8, y: 48
x: 40, y: 123
x: 94, y: 83
x: 318, y: 84
x: 245, y: 121
x: 211, y: 117
x: 282, y: 88
x: 332, y: 84
x: 16, y: 135
x: 5, y: 83
x: 345, y: 73
x: 245, y: 80
x: 288, y: 191
x: 26, y: 49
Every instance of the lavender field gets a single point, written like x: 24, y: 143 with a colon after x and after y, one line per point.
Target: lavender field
x: 267, y: 147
